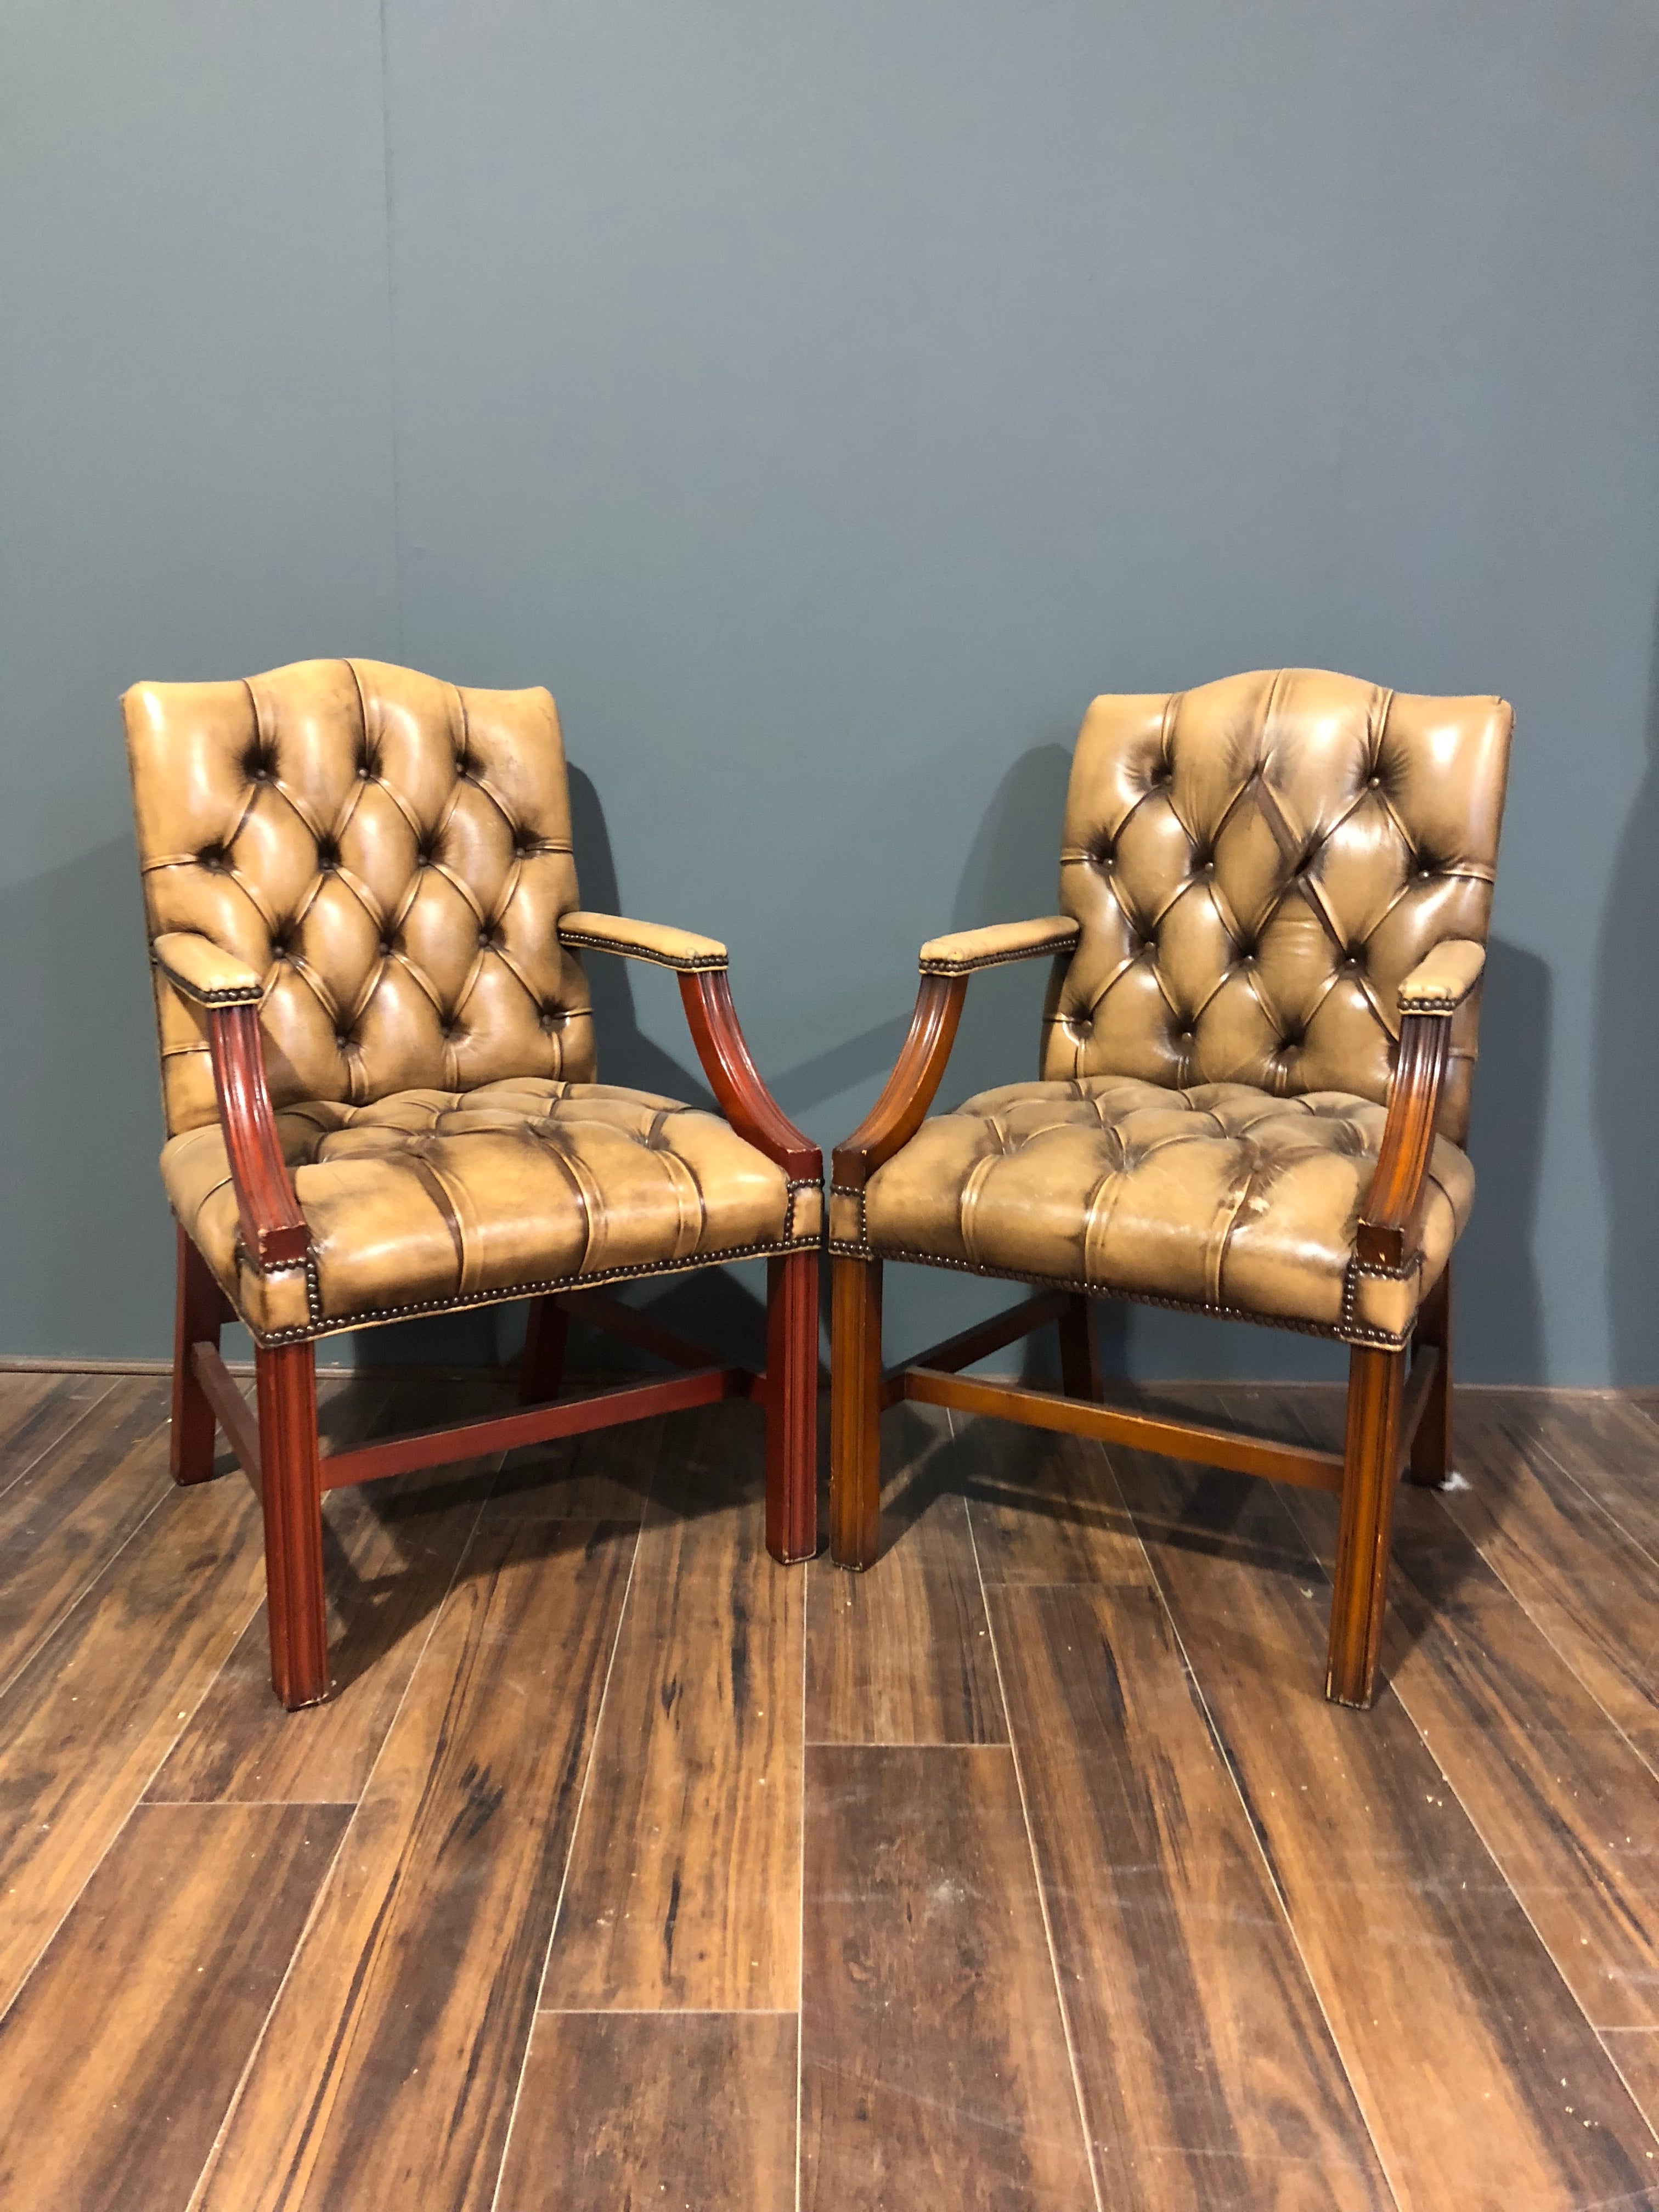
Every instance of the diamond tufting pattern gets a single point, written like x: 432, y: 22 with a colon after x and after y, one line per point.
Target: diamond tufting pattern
x: 390, y: 857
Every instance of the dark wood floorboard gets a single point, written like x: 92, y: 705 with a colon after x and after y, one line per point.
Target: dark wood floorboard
x: 683, y: 1887
x: 1561, y: 1799
x: 172, y: 1956
x: 1209, y: 2076
x: 1590, y: 1589
x: 641, y: 2110
x: 38, y: 1411
x: 389, y: 1553
x: 904, y: 1655
x: 85, y: 1722
x: 1442, y: 1999
x: 1307, y: 1958
x: 74, y: 1506
x: 934, y: 2063
x: 389, y: 2069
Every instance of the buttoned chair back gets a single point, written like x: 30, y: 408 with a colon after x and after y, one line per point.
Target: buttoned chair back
x: 391, y: 853
x: 1256, y: 866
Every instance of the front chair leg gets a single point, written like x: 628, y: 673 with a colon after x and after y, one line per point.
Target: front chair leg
x: 199, y: 1312
x: 291, y: 1493
x: 1370, y: 1460
x: 792, y: 1407
x: 1080, y: 1355
x: 1431, y: 1462
x: 541, y: 1365
x: 855, y: 1412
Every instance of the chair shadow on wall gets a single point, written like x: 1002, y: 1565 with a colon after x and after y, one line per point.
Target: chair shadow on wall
x: 1626, y: 1071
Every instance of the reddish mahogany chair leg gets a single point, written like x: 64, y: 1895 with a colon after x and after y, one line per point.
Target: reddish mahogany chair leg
x: 541, y: 1368
x: 855, y: 1412
x: 792, y: 1407
x: 1431, y: 1462
x: 292, y: 1496
x: 1080, y: 1356
x: 1371, y: 1457
x: 198, y: 1311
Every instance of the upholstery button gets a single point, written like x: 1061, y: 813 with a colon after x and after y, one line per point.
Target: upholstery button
x: 386, y: 948
x: 328, y: 853
x: 1372, y: 782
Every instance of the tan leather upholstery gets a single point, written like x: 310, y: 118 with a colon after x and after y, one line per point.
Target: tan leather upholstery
x: 1258, y: 865
x: 385, y: 862
x: 641, y: 940
x: 432, y: 1199
x: 1440, y: 983
x: 997, y: 944
x: 1266, y: 873
x: 206, y: 976
x: 1223, y: 1197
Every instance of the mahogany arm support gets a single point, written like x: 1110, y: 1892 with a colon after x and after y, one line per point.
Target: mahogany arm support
x: 273, y: 1229
x: 946, y: 963
x: 735, y: 1080
x: 642, y: 940
x: 1386, y: 1234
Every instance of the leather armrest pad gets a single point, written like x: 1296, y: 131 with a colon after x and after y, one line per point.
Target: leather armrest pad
x: 1001, y: 941
x: 1442, y: 979
x: 642, y: 940
x: 196, y: 966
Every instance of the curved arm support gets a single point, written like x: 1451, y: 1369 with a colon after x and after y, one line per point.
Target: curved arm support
x: 735, y: 1080
x: 1387, y: 1231
x: 273, y: 1230
x: 908, y: 1092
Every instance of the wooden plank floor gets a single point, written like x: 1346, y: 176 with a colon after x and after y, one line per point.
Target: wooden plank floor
x: 1029, y: 1872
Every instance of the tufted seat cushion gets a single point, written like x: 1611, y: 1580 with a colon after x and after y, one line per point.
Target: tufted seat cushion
x: 1222, y: 1197
x: 429, y: 1198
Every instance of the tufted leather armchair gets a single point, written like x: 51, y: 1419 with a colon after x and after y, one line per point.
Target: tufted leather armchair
x: 378, y: 1073
x: 1256, y: 1056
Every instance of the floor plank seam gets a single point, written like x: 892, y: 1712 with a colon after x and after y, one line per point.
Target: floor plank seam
x: 1650, y: 1761
x: 570, y: 1846
x: 120, y: 1829
x: 230, y: 2113
x: 1013, y: 1749
x: 62, y: 1438
x: 93, y: 1579
x: 1272, y: 1872
x: 1601, y: 1506
x: 1387, y: 1689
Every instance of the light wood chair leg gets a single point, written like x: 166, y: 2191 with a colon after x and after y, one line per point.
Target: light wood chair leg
x: 1431, y: 1463
x: 1080, y: 1352
x: 855, y: 1412
x: 292, y: 1496
x: 198, y: 1311
x: 792, y: 1407
x: 1371, y: 1454
x: 541, y: 1365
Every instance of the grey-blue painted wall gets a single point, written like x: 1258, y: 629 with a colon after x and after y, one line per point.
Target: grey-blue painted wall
x: 826, y: 402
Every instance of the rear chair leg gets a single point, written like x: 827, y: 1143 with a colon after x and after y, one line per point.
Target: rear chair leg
x: 199, y: 1312
x: 1431, y: 1463
x: 291, y: 1492
x: 792, y: 1407
x: 541, y: 1367
x: 1080, y: 1355
x: 855, y: 1412
x: 1370, y: 1457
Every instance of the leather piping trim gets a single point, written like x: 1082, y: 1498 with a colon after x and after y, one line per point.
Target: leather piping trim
x: 698, y: 964
x: 1066, y: 944
x: 1342, y: 1331
x: 320, y: 1327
